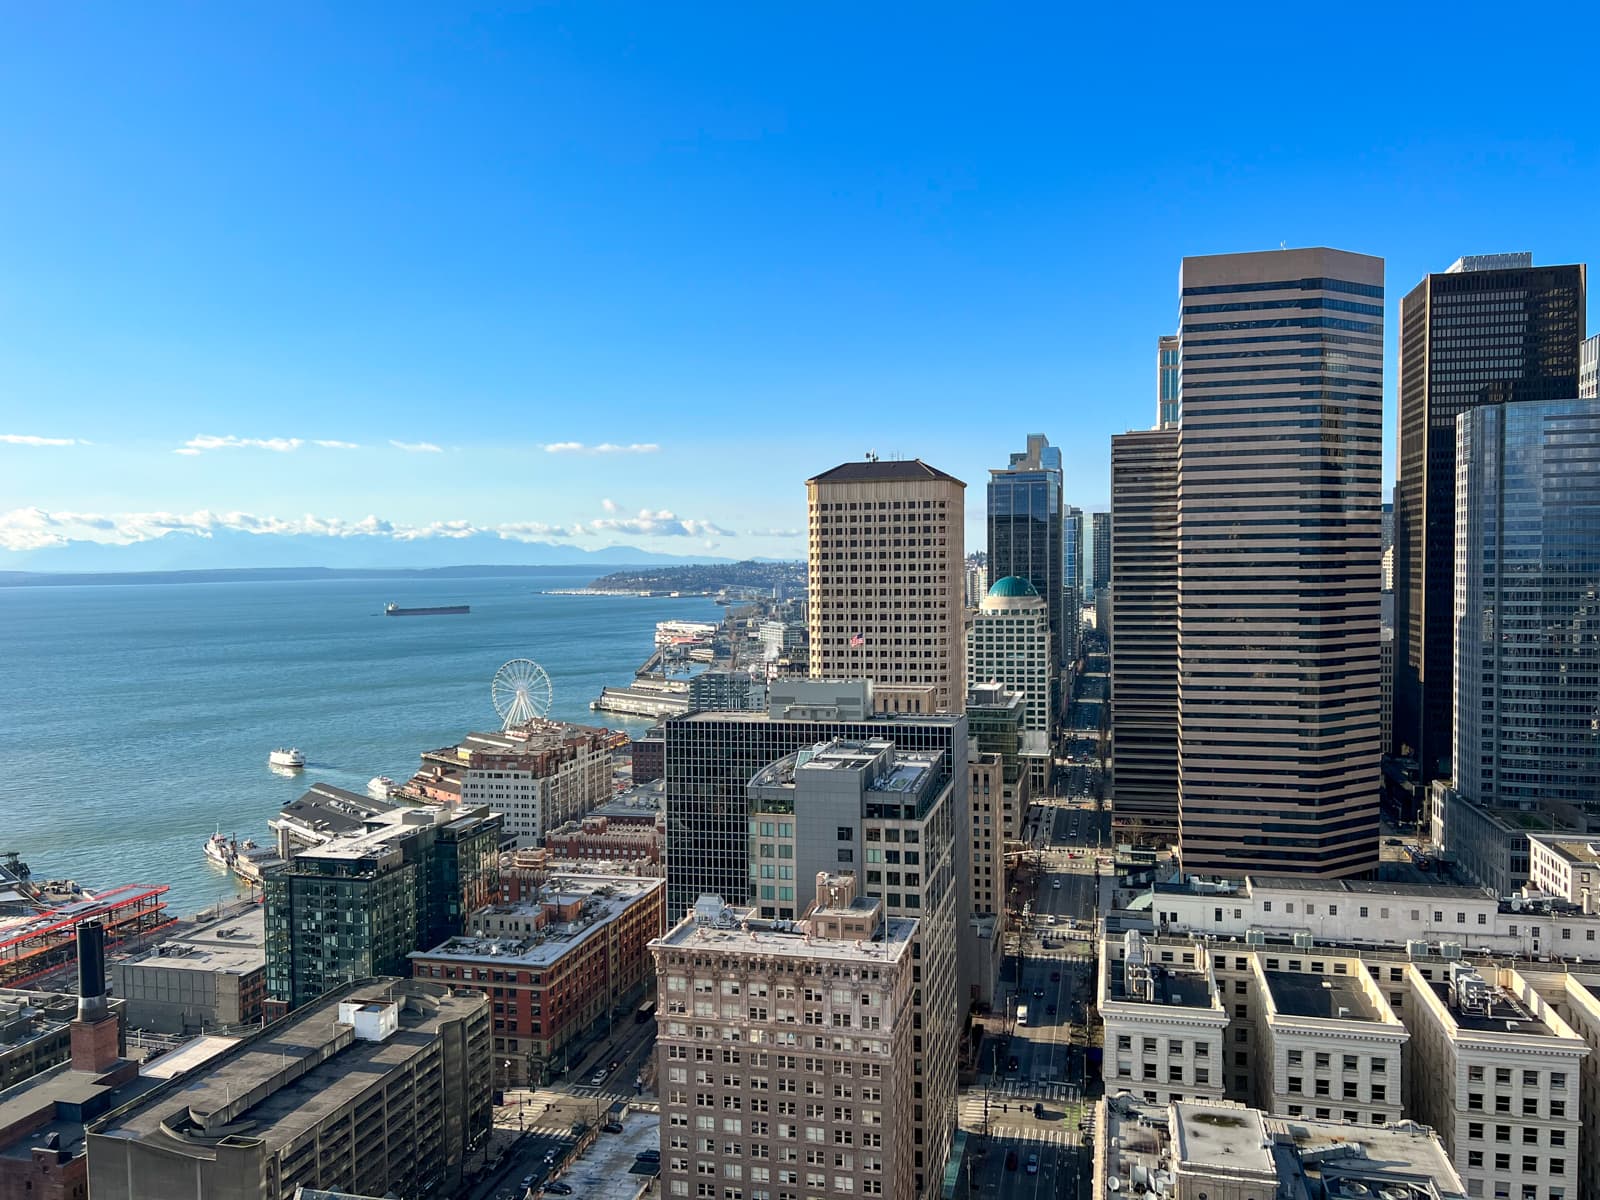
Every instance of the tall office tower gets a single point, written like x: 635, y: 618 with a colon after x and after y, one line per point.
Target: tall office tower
x: 1027, y: 528
x: 1100, y: 523
x: 1169, y: 410
x: 1527, y: 607
x: 1144, y: 635
x: 886, y: 572
x: 1071, y: 587
x: 1280, y: 468
x: 1589, y: 368
x: 847, y: 970
x: 1490, y: 328
x: 887, y: 816
x: 1009, y: 643
x: 711, y: 756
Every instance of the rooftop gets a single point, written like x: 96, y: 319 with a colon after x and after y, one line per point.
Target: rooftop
x: 1177, y: 987
x: 1328, y: 997
x: 1583, y: 853
x: 333, y: 810
x: 288, y: 1078
x: 236, y: 945
x: 386, y: 831
x: 898, y: 470
x: 1011, y: 587
x: 1502, y: 1013
x: 538, y: 932
x: 1227, y: 1138
x: 741, y: 931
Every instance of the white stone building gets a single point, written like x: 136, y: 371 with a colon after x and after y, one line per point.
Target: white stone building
x: 1164, y: 1020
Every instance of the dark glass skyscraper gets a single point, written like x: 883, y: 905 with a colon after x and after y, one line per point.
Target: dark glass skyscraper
x: 1025, y: 527
x: 1527, y: 608
x: 1491, y: 328
x: 1100, y: 573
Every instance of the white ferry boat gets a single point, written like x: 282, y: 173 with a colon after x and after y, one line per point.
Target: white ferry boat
x: 290, y: 758
x: 379, y: 786
x: 674, y: 633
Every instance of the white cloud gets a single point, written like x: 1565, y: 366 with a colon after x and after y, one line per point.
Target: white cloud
x: 416, y: 447
x: 36, y: 529
x: 331, y: 444
x: 660, y: 523
x: 776, y: 533
x: 531, y: 531
x: 609, y: 505
x: 29, y: 439
x: 208, y: 441
x: 602, y: 448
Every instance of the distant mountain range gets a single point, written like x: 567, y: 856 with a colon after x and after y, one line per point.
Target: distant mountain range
x: 229, y: 550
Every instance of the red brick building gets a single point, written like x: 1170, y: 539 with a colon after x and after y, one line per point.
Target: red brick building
x: 560, y: 966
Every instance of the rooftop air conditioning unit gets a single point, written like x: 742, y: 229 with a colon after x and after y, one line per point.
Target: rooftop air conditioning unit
x: 1449, y: 949
x: 1416, y: 949
x: 1302, y: 941
x: 1254, y: 937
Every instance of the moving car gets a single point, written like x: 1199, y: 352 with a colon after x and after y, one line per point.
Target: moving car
x: 1033, y: 1163
x: 1056, y: 885
x: 558, y: 1189
x: 1011, y: 1160
x: 600, y: 1076
x: 1013, y: 1063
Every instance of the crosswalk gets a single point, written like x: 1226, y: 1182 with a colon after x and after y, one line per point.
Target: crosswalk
x: 1025, y: 1089
x: 1056, y: 1136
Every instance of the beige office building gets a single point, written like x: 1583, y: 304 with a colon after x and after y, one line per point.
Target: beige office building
x: 1280, y: 458
x: 887, y: 563
x: 783, y: 1052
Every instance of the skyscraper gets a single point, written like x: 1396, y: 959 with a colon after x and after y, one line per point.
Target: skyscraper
x: 1527, y: 607
x: 1072, y: 583
x: 1169, y: 410
x: 886, y: 572
x: 1492, y: 327
x: 1589, y: 368
x: 1101, y: 525
x: 1027, y: 528
x: 1279, y: 474
x: 1144, y: 635
x: 1009, y: 644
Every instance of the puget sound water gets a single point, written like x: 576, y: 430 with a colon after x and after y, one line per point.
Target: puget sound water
x: 136, y: 720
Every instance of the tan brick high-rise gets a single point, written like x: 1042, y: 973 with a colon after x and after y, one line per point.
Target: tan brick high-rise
x: 886, y: 561
x: 1280, y: 463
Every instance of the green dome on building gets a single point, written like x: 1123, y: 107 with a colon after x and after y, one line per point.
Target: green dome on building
x: 1012, y: 587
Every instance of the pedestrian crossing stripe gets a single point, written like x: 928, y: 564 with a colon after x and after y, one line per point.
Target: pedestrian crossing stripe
x: 1045, y: 1137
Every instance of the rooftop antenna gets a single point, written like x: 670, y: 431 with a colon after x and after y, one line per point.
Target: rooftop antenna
x: 872, y: 456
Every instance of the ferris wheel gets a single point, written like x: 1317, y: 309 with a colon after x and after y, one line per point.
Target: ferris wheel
x: 521, y: 691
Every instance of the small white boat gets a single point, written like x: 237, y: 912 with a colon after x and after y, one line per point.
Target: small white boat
x: 379, y: 786
x: 290, y: 758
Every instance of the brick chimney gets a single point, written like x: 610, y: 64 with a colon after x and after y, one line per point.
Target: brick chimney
x: 97, y: 1032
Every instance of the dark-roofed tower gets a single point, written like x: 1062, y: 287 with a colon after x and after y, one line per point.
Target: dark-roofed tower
x: 886, y: 560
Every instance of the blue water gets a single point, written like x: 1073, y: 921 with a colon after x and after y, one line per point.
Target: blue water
x: 135, y: 720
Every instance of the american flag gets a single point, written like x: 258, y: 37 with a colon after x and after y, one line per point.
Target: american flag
x: 857, y: 640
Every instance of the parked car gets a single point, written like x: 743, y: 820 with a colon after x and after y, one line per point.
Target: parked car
x: 611, y: 1127
x: 1033, y: 1163
x: 649, y: 1156
x: 1011, y: 1160
x: 1056, y: 885
x: 527, y: 1181
x: 1013, y: 1063
x: 558, y: 1188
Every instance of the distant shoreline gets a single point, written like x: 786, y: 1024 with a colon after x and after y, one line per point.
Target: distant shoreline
x: 20, y: 579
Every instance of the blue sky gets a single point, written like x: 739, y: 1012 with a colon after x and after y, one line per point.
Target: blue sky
x: 738, y: 244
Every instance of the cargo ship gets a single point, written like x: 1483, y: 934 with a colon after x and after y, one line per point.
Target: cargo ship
x: 443, y: 610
